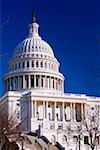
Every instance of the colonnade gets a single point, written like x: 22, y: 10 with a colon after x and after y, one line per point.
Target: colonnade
x: 62, y: 111
x: 33, y: 81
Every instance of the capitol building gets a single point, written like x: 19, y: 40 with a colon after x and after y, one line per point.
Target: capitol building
x: 34, y: 89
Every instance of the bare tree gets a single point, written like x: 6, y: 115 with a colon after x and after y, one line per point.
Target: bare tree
x: 9, y: 126
x: 89, y: 129
x: 91, y: 126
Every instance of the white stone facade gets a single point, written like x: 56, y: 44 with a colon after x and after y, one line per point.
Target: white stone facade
x: 35, y: 87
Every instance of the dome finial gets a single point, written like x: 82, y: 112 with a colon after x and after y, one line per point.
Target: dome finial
x: 33, y: 17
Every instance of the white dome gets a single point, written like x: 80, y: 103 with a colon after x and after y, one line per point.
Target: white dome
x: 33, y: 43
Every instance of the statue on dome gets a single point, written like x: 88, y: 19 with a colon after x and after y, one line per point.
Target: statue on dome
x: 33, y: 16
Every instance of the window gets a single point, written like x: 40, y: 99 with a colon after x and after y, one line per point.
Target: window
x: 17, y: 104
x: 32, y: 64
x: 93, y: 118
x: 75, y: 138
x: 37, y: 64
x: 86, y: 140
x: 18, y: 115
x: 57, y: 116
x: 27, y: 64
x: 92, y: 108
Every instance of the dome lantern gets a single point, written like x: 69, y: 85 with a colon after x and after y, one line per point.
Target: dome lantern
x: 33, y: 27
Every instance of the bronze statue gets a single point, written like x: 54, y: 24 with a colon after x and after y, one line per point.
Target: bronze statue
x: 33, y: 16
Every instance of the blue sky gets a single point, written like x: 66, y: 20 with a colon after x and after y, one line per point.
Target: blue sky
x: 71, y: 27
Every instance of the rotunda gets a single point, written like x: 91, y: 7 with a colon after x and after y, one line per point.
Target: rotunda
x: 33, y: 65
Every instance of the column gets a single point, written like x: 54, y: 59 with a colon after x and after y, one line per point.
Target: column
x: 82, y: 109
x: 71, y: 108
x: 10, y: 84
x: 34, y: 81
x: 74, y: 112
x: 13, y: 83
x: 19, y: 83
x: 43, y: 109
x: 63, y: 111
x: 40, y: 81
x: 55, y: 83
x: 49, y: 82
x: 43, y: 82
x: 47, y: 110
x: 32, y: 109
x: 59, y: 85
x: 55, y: 111
x: 35, y: 108
x: 29, y: 80
x: 62, y: 86
x: 23, y: 81
x: 7, y: 84
x: 30, y: 62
